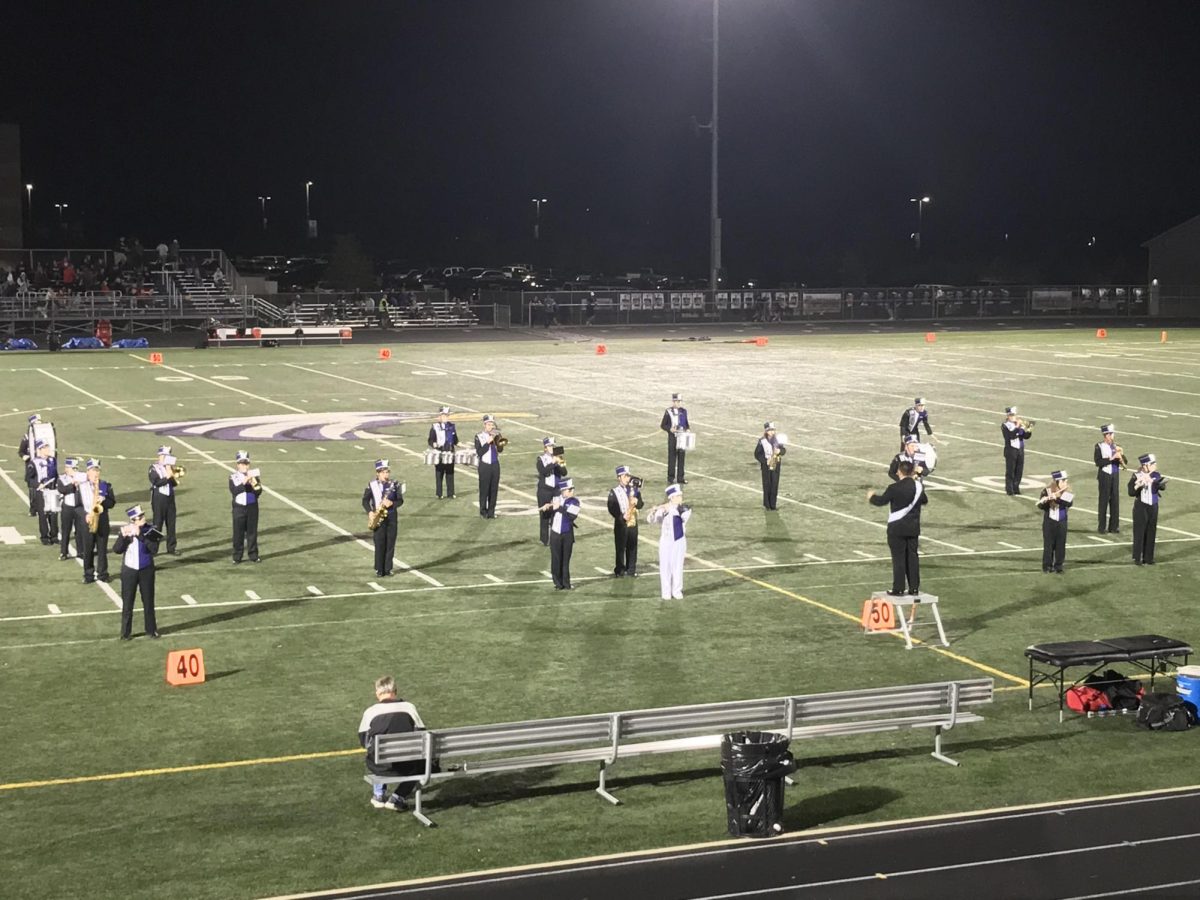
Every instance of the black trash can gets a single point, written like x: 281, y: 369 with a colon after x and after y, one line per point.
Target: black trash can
x: 754, y: 764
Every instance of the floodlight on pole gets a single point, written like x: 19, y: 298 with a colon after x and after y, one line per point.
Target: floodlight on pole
x: 263, y: 199
x: 307, y: 187
x: 920, y: 201
x: 29, y: 206
x: 60, y: 207
x: 537, y: 217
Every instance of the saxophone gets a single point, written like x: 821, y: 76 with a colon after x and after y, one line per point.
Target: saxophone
x: 379, y: 515
x: 631, y: 510
x: 93, y: 518
x: 776, y: 453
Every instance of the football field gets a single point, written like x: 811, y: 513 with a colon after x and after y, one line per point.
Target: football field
x: 114, y: 784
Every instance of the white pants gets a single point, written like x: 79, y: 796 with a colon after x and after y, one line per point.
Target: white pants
x: 670, y: 566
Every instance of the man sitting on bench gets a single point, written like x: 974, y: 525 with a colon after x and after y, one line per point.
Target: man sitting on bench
x: 389, y: 715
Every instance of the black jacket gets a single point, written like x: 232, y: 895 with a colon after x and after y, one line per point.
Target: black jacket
x: 897, y: 497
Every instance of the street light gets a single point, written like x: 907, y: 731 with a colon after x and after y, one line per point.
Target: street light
x: 60, y: 207
x: 263, y: 200
x: 537, y: 220
x: 29, y: 204
x: 920, y: 201
x: 307, y: 187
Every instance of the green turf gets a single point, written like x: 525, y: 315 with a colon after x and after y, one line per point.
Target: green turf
x: 295, y: 674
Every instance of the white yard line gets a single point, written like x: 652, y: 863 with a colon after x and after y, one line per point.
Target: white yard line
x: 865, y: 555
x: 425, y: 577
x: 546, y: 572
x: 601, y: 571
x: 765, y: 562
x: 814, y: 558
x: 1097, y: 539
x: 1007, y: 544
x: 493, y: 579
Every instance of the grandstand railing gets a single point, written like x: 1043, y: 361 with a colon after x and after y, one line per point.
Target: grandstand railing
x: 840, y: 304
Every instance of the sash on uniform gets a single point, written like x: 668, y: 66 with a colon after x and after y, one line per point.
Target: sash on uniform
x: 901, y: 513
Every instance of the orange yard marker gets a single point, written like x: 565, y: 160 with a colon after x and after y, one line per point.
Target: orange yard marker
x: 1162, y: 338
x: 930, y: 337
x: 156, y: 359
x: 1101, y: 333
x: 257, y: 332
x: 185, y: 667
x: 385, y: 353
x: 760, y: 341
x: 601, y: 349
x: 878, y: 615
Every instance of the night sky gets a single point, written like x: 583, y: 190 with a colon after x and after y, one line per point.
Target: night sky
x: 428, y: 126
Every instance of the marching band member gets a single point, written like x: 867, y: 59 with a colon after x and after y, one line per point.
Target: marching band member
x: 45, y: 470
x: 1055, y: 500
x: 443, y: 436
x: 912, y: 419
x: 380, y: 500
x: 550, y: 470
x: 1109, y: 459
x: 27, y: 453
x: 96, y: 498
x: 489, y: 444
x: 70, y: 513
x: 1145, y: 486
x: 246, y: 490
x: 624, y: 500
x: 906, y: 497
x: 1015, y: 433
x: 769, y: 453
x: 164, y: 481
x: 675, y: 421
x: 561, y: 512
x: 672, y: 542
x: 137, y: 544
x: 909, y: 454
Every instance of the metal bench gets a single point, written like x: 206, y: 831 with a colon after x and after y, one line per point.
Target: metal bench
x: 605, y: 738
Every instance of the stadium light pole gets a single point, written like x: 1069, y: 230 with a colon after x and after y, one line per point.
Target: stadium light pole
x: 263, y: 202
x: 29, y: 206
x: 714, y: 218
x: 537, y: 217
x: 60, y: 207
x: 307, y: 187
x: 920, y: 201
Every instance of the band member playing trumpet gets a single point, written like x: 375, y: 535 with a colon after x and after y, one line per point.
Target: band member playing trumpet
x: 624, y: 501
x: 769, y: 452
x: 905, y: 497
x: 246, y: 490
x: 1109, y: 459
x: 45, y: 475
x: 910, y: 454
x: 1145, y: 486
x: 550, y: 470
x: 1015, y: 431
x: 96, y: 498
x: 70, y: 517
x: 675, y: 422
x: 1055, y: 500
x: 672, y: 541
x: 489, y: 443
x: 164, y: 481
x: 443, y: 436
x: 380, y: 500
x: 137, y: 543
x: 26, y: 451
x: 912, y: 419
x: 562, y: 512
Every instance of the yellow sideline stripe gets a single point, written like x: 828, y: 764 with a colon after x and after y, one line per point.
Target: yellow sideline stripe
x: 175, y: 770
x: 1016, y: 679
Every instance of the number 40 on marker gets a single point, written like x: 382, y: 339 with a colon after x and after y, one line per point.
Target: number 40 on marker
x: 185, y: 667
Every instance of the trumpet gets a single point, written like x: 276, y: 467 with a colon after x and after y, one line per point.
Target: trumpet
x: 1027, y: 424
x: 178, y: 472
x: 499, y: 441
x: 1118, y: 456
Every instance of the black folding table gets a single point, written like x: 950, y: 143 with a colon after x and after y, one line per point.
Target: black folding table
x: 1149, y: 652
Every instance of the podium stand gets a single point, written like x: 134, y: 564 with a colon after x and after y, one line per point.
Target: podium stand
x: 913, y: 603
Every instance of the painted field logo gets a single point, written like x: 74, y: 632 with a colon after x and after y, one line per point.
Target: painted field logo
x: 328, y: 426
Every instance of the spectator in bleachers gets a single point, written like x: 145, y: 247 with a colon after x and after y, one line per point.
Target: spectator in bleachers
x: 68, y: 275
x: 173, y: 252
x: 385, y: 320
x: 369, y: 306
x: 163, y: 252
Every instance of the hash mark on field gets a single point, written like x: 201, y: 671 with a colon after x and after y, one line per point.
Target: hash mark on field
x: 315, y: 591
x: 1073, y: 419
x: 1098, y: 540
x: 1133, y: 417
x: 546, y: 572
x: 401, y: 563
x: 814, y: 557
x: 357, y: 447
x: 322, y: 450
x: 493, y: 579
x: 601, y: 571
x: 188, y: 599
x: 281, y: 450
x: 1160, y: 416
x: 1007, y: 544
x: 765, y: 562
x: 864, y: 555
x: 428, y: 578
x: 54, y: 610
x: 252, y: 595
x: 376, y: 586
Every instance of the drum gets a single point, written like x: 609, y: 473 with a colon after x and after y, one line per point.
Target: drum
x: 465, y: 457
x: 685, y: 440
x: 51, y: 501
x: 43, y: 431
x: 447, y: 457
x: 431, y: 457
x: 927, y: 454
